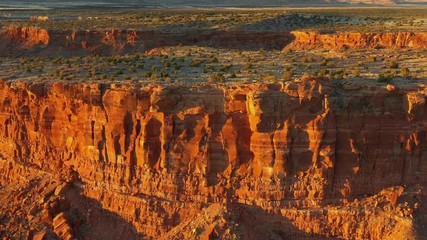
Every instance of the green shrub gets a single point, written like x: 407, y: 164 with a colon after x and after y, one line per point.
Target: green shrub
x: 248, y: 66
x: 195, y: 63
x: 269, y: 78
x: 356, y: 73
x: 288, y: 75
x: 216, y: 78
x: 225, y: 68
x: 213, y: 59
x: 324, y: 62
x: 372, y: 59
x: 404, y: 72
x: 330, y: 64
x: 394, y: 64
x: 288, y: 68
x: 385, y: 77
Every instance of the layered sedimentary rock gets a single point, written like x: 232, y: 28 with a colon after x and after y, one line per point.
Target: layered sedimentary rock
x: 43, y: 42
x: 26, y: 37
x: 313, y: 40
x: 156, y: 155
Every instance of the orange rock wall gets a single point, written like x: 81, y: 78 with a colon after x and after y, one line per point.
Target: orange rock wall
x: 131, y: 40
x: 27, y: 37
x: 41, y: 41
x: 118, y: 41
x: 312, y: 40
x: 300, y: 144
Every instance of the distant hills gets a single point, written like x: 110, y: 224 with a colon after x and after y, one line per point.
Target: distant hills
x: 281, y: 2
x: 60, y: 4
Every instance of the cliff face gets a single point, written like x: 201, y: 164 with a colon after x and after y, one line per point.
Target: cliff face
x: 41, y: 41
x: 156, y: 154
x: 25, y: 37
x: 312, y: 40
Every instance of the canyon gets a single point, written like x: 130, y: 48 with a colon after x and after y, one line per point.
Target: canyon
x: 213, y: 124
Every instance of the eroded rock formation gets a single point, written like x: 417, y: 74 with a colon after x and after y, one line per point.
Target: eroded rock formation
x: 26, y: 37
x: 41, y: 41
x: 156, y: 155
x: 341, y: 40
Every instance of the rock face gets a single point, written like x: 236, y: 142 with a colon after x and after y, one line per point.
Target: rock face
x: 312, y: 40
x: 42, y: 41
x: 32, y: 40
x: 25, y: 37
x: 155, y: 155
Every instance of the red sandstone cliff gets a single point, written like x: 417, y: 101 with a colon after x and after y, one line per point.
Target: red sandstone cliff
x: 41, y: 41
x: 25, y: 37
x: 115, y: 41
x: 312, y: 40
x: 155, y: 155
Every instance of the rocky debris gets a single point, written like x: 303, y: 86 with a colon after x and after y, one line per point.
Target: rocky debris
x: 392, y: 209
x: 62, y: 227
x: 48, y: 191
x: 39, y: 18
x: 213, y: 222
x: 62, y: 189
x: 40, y: 236
x: 40, y: 208
x: 390, y: 87
x: 157, y: 52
